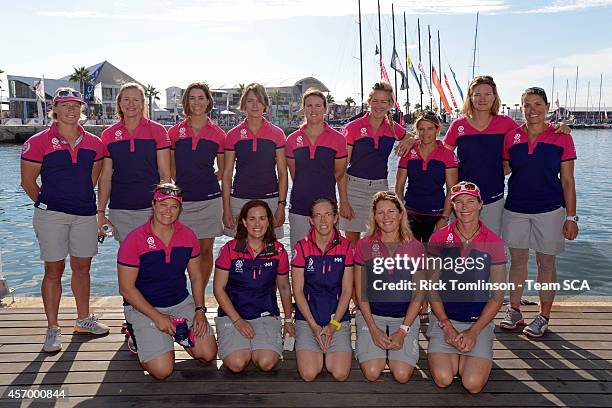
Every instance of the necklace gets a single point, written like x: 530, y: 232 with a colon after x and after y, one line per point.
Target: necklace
x: 467, y: 240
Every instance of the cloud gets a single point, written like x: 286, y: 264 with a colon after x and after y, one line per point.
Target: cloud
x: 561, y: 6
x: 71, y: 14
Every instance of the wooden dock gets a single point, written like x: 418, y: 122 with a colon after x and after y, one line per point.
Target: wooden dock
x: 571, y: 366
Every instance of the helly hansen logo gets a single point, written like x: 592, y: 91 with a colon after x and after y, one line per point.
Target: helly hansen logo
x: 267, y: 264
x: 338, y: 259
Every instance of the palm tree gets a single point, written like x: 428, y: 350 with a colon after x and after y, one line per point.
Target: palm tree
x: 329, y: 98
x: 241, y: 88
x: 81, y: 76
x: 349, y: 101
x: 152, y: 94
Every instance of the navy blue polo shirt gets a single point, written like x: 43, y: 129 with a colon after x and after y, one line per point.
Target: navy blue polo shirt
x: 385, y: 302
x: 251, y: 284
x: 480, y: 154
x: 323, y: 274
x: 534, y: 186
x: 486, y: 249
x: 65, y: 173
x: 161, y: 269
x: 255, y: 176
x: 194, y: 158
x: 371, y: 150
x: 134, y: 155
x: 314, y: 166
x: 426, y: 179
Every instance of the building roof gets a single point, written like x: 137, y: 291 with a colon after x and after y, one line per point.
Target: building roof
x: 301, y: 82
x: 51, y: 85
x: 108, y: 74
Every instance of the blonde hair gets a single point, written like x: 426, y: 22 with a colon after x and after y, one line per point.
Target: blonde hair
x: 203, y: 86
x: 53, y: 115
x: 405, y: 232
x: 132, y: 85
x: 381, y: 86
x: 468, y: 106
x: 260, y: 93
x: 314, y: 92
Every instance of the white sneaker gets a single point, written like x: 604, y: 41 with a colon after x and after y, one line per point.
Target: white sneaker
x: 90, y: 325
x: 53, y: 341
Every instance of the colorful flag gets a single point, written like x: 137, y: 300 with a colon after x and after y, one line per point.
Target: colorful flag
x: 411, y: 68
x: 456, y: 83
x: 438, y: 85
x: 396, y: 64
x: 450, y: 91
x: 433, y: 100
x: 39, y: 88
x: 385, y: 77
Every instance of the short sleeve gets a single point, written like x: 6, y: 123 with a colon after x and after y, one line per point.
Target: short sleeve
x: 349, y: 258
x: 341, y: 151
x: 289, y: 146
x: 280, y: 139
x: 297, y: 257
x: 508, y: 139
x: 230, y: 140
x: 358, y: 254
x: 403, y: 162
x: 283, y: 261
x: 348, y: 135
x: 162, y: 140
x: 450, y: 138
x: 173, y: 136
x: 450, y: 159
x: 224, y: 260
x: 569, y: 150
x: 32, y: 150
x: 128, y: 254
x: 418, y: 251
x: 399, y: 131
x: 497, y: 252
x: 436, y: 242
x: 220, y: 137
x: 105, y: 142
x: 194, y: 243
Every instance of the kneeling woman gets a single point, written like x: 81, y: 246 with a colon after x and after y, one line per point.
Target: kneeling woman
x: 387, y: 328
x: 247, y: 272
x: 322, y: 279
x: 151, y: 263
x: 461, y: 325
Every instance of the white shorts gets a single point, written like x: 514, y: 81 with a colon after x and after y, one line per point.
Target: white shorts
x: 203, y: 217
x: 492, y: 214
x: 236, y: 205
x: 60, y: 234
x: 360, y: 192
x: 542, y: 232
x: 126, y: 221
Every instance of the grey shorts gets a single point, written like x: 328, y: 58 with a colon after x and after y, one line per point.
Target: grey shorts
x: 304, y: 338
x: 60, y: 234
x: 267, y: 336
x: 236, y: 205
x: 542, y: 232
x: 484, y: 342
x: 366, y: 350
x: 491, y: 215
x: 299, y: 225
x: 360, y: 192
x: 125, y: 221
x: 150, y: 341
x: 203, y: 217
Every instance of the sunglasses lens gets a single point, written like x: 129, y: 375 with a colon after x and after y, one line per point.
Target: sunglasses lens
x: 170, y: 191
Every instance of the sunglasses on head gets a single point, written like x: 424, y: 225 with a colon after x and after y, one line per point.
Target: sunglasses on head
x: 65, y: 93
x: 177, y: 192
x: 464, y: 186
x: 535, y: 90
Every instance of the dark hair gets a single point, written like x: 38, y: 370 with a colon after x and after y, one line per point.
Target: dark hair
x: 535, y: 90
x: 203, y: 86
x: 241, y: 231
x: 330, y: 201
x: 428, y: 116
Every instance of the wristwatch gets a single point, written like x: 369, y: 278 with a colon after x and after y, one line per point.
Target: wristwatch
x: 289, y: 320
x: 405, y: 328
x: 201, y: 309
x: 282, y: 202
x: 443, y: 323
x: 574, y: 218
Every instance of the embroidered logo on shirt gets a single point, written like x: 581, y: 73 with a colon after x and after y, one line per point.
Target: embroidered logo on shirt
x: 310, y: 265
x: 25, y: 148
x: 56, y: 143
x: 413, y: 154
x: 151, y: 242
x: 267, y: 264
x: 363, y: 131
x: 375, y: 249
x: 450, y: 237
x: 461, y: 130
x: 243, y: 134
x: 182, y: 132
x: 118, y: 135
x: 299, y: 141
x: 338, y: 259
x: 517, y: 138
x: 239, y: 264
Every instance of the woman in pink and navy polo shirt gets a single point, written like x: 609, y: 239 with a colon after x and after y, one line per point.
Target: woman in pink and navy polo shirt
x: 248, y: 272
x: 151, y: 265
x: 427, y: 166
x: 257, y: 148
x: 370, y: 140
x: 540, y: 211
x: 68, y: 160
x: 196, y: 143
x: 137, y: 158
x: 322, y: 280
x: 316, y: 157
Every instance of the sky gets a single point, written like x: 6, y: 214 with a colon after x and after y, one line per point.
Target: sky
x: 226, y: 42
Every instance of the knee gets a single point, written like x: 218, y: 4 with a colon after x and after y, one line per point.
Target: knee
x: 473, y: 384
x: 371, y: 373
x: 340, y: 374
x: 308, y: 374
x: 236, y: 364
x: 442, y: 379
x: 402, y: 376
x: 266, y: 363
x: 205, y: 356
x: 54, y: 272
x: 160, y: 372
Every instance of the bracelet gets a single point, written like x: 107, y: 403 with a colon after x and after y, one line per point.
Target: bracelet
x: 443, y: 323
x: 234, y: 322
x: 336, y: 324
x: 201, y: 309
x: 287, y: 320
x: 282, y: 202
x: 101, y: 211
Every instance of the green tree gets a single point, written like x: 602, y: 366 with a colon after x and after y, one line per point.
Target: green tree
x: 349, y: 101
x: 329, y: 98
x: 241, y: 87
x: 152, y: 94
x: 81, y: 76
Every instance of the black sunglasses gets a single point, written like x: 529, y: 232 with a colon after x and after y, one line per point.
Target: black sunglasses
x: 177, y: 192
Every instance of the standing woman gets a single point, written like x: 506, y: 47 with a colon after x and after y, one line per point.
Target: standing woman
x: 461, y: 323
x: 137, y: 158
x: 387, y: 324
x: 322, y: 280
x: 316, y: 157
x: 151, y: 266
x: 68, y: 160
x: 428, y: 167
x: 257, y: 148
x: 540, y: 211
x: 370, y: 140
x: 196, y: 143
x: 248, y: 271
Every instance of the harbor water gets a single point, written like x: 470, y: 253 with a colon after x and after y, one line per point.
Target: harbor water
x: 589, y: 257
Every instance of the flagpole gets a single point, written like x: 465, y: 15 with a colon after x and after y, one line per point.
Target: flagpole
x: 394, y: 71
x: 440, y: 69
x: 576, y: 91
x: 566, y: 89
x: 360, y: 55
x: 406, y: 62
x: 475, y: 42
x: 430, y: 83
x: 379, y: 33
x: 599, y: 104
x: 552, y: 94
x: 420, y: 75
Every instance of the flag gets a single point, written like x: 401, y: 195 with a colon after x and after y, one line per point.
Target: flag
x: 376, y: 52
x: 385, y: 77
x: 39, y: 88
x: 450, y: 91
x: 416, y: 77
x: 396, y: 64
x: 433, y: 100
x: 88, y: 87
x: 438, y: 85
x: 456, y: 83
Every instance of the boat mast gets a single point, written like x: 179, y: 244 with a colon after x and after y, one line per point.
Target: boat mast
x: 566, y: 89
x: 576, y: 91
x: 406, y: 62
x: 475, y: 40
x: 588, y: 97
x: 599, y: 104
x: 394, y: 50
x: 430, y: 83
x: 360, y: 54
x: 440, y: 72
x: 420, y: 75
x: 552, y: 93
x: 379, y: 33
